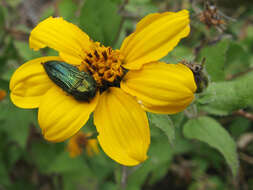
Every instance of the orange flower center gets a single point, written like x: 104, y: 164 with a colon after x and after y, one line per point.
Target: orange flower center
x: 81, y: 140
x: 104, y: 64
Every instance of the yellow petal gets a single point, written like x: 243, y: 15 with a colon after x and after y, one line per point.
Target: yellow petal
x: 123, y: 127
x: 155, y: 36
x: 61, y: 116
x: 92, y: 147
x: 62, y: 36
x: 161, y: 87
x: 30, y: 82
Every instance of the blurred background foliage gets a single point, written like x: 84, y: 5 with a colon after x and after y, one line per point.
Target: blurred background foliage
x: 209, y: 146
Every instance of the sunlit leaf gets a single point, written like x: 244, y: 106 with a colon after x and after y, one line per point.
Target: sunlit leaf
x: 100, y: 20
x: 164, y: 123
x: 208, y: 130
x: 222, y: 98
x: 67, y: 9
x: 215, y: 59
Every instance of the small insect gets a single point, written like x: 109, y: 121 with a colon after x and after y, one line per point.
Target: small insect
x: 200, y: 77
x: 79, y: 84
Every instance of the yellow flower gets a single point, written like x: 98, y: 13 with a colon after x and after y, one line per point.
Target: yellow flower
x: 130, y: 81
x: 2, y: 94
x: 80, y: 141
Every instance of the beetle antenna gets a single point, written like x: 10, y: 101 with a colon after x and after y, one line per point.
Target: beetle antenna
x: 203, y: 61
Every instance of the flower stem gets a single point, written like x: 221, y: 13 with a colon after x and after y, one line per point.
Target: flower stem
x: 123, y: 181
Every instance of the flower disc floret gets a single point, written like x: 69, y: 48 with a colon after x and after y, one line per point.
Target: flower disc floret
x: 104, y: 64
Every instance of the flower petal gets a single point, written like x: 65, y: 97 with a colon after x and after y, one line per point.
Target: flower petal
x: 155, y: 36
x: 61, y: 116
x: 161, y: 87
x: 62, y: 36
x: 30, y: 82
x: 92, y: 147
x: 123, y: 127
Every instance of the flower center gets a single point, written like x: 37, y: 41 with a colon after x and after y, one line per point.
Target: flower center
x: 104, y: 64
x: 81, y: 140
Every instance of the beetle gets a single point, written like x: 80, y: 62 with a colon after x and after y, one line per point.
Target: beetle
x: 81, y: 85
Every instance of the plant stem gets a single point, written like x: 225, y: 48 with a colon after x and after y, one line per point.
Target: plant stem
x: 123, y: 181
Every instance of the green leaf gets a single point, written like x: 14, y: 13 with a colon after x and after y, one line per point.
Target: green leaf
x: 159, y: 172
x: 25, y: 52
x: 61, y: 164
x: 16, y: 122
x: 142, y: 7
x: 2, y: 18
x: 4, y: 85
x: 245, y: 125
x: 181, y: 144
x: 238, y: 59
x: 219, y: 98
x: 78, y: 174
x: 12, y: 155
x: 100, y: 20
x: 164, y: 123
x: 248, y: 41
x: 244, y: 89
x: 215, y: 59
x: 160, y: 155
x: 9, y: 51
x: 222, y: 98
x: 14, y: 3
x: 22, y: 184
x: 5, y: 181
x: 102, y: 166
x: 38, y: 151
x: 178, y: 54
x: 52, y: 158
x: 108, y: 186
x: 67, y: 9
x: 177, y: 119
x: 49, y: 11
x: 208, y: 130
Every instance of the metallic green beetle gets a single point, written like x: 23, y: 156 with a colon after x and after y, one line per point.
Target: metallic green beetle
x: 79, y: 84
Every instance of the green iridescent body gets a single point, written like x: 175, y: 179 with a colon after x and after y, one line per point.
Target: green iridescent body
x: 79, y: 84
